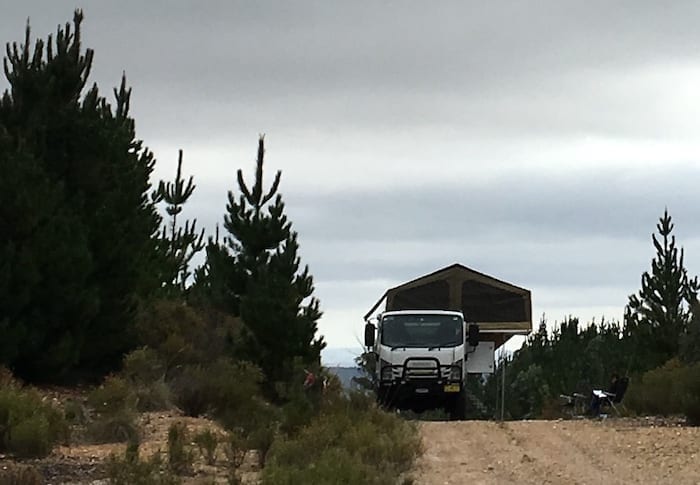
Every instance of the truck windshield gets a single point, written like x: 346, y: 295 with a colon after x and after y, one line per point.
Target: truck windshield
x: 422, y: 331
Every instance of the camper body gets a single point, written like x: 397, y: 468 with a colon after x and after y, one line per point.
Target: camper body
x: 437, y: 329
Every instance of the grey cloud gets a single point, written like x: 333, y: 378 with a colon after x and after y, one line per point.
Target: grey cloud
x: 521, y: 207
x: 527, y: 229
x: 414, y: 134
x: 336, y: 44
x: 502, y: 66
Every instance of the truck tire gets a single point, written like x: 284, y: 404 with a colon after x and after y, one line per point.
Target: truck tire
x: 382, y: 396
x: 378, y: 396
x: 458, y: 407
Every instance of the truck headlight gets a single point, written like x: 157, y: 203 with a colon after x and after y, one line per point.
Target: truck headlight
x: 456, y: 371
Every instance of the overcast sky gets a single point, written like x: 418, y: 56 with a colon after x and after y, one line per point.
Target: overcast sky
x: 537, y: 142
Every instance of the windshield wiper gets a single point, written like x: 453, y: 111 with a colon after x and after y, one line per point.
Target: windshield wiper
x: 439, y: 346
x: 403, y: 346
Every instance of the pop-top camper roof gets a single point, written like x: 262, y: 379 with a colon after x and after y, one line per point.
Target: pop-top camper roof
x: 501, y: 309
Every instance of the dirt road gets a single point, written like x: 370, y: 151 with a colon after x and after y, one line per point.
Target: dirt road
x: 558, y: 452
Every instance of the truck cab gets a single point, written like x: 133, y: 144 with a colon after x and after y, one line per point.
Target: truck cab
x: 421, y: 358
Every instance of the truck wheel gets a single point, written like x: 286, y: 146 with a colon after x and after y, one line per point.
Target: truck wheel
x: 458, y: 407
x: 382, y: 396
x: 378, y: 394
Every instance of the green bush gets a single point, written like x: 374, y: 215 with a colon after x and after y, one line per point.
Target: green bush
x: 179, y: 455
x: 228, y: 391
x: 115, y: 404
x: 261, y: 439
x: 174, y: 330
x: 667, y: 390
x: 145, y: 373
x: 131, y: 470
x: 351, y: 441
x: 75, y: 412
x: 30, y: 437
x: 16, y: 474
x: 143, y: 366
x: 113, y: 396
x: 690, y: 395
x: 297, y: 413
x: 191, y: 391
x: 117, y: 427
x: 235, y: 448
x: 301, y: 404
x: 29, y: 426
x: 653, y: 392
x: 207, y: 441
x: 182, y: 335
x: 333, y: 466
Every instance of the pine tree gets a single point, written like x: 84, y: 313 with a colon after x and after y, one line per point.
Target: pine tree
x: 658, y: 315
x: 690, y: 343
x: 270, y: 293
x: 45, y: 265
x: 178, y: 244
x: 216, y: 285
x: 81, y: 251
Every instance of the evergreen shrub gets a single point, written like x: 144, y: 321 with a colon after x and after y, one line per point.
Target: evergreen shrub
x: 130, y: 469
x: 179, y: 455
x: 228, y: 391
x: 180, y: 334
x: 690, y: 395
x: 114, y: 403
x: 18, y: 474
x: 207, y: 442
x: 29, y: 426
x: 145, y: 373
x: 118, y: 427
x: 673, y: 389
x: 112, y: 396
x: 351, y: 441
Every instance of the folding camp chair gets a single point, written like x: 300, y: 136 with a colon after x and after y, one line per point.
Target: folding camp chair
x: 608, y: 399
x: 574, y: 405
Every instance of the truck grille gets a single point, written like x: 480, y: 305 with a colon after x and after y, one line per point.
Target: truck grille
x: 419, y: 370
x: 422, y: 370
x: 421, y: 373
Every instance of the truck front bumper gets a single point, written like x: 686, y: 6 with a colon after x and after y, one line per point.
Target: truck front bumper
x: 418, y: 395
x: 419, y: 380
x: 423, y: 387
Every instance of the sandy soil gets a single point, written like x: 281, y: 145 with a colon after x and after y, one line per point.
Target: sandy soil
x: 612, y: 451
x: 82, y: 464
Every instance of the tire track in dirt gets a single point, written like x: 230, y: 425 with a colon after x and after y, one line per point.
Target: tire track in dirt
x: 569, y: 460
x: 484, y: 454
x: 557, y: 452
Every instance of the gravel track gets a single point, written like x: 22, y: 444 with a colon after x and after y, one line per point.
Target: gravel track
x: 558, y: 452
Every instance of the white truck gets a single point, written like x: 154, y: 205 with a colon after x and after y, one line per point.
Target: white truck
x: 422, y: 359
x: 436, y: 330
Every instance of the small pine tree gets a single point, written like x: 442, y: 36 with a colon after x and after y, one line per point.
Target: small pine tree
x: 658, y: 315
x: 177, y: 244
x: 264, y: 283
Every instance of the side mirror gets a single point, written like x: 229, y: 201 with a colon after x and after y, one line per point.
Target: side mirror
x: 370, y: 330
x: 473, y: 335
